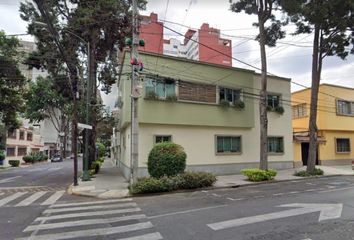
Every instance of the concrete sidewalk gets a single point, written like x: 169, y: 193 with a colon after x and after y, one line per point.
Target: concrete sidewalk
x: 109, y: 182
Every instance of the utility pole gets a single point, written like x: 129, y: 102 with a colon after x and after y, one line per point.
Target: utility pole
x: 134, y: 131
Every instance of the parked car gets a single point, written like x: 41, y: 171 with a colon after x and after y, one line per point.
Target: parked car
x: 56, y: 158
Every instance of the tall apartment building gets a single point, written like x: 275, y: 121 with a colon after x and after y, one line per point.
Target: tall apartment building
x: 197, y: 44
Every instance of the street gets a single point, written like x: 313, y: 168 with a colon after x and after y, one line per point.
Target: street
x: 34, y: 205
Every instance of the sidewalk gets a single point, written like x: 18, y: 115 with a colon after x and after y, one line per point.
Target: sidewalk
x: 109, y: 182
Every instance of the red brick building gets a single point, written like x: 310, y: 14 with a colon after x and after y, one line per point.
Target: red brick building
x: 197, y: 44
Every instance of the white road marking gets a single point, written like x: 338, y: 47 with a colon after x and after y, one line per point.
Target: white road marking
x: 11, y: 198
x: 278, y: 194
x: 216, y: 195
x: 90, y: 203
x: 85, y: 214
x: 150, y: 236
x: 327, y: 211
x: 52, y: 199
x: 11, y: 179
x: 294, y: 192
x: 58, y: 210
x: 82, y: 222
x: 187, y: 211
x: 337, y: 189
x: 30, y: 199
x: 92, y: 232
x: 235, y: 199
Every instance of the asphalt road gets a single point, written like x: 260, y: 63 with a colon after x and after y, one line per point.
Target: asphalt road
x: 251, y: 213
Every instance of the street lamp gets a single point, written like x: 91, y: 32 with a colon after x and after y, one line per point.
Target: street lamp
x: 86, y: 175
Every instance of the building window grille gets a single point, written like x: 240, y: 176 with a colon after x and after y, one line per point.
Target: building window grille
x: 21, y: 151
x: 228, y: 144
x: 161, y: 88
x: 10, y: 152
x: 275, y: 145
x: 163, y: 138
x: 231, y: 95
x: 343, y: 145
x: 273, y: 101
x: 29, y: 136
x: 299, y: 110
x: 345, y: 107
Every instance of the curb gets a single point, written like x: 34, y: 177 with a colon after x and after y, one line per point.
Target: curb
x: 105, y: 194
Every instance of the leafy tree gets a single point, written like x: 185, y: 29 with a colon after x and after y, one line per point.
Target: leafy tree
x: 45, y: 102
x: 12, y: 84
x: 268, y: 35
x: 332, y: 24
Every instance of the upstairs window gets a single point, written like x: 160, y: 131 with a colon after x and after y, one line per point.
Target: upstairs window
x: 299, y: 110
x: 231, y: 95
x: 29, y: 136
x: 343, y: 145
x: 273, y: 100
x: 160, y: 88
x: 10, y: 152
x: 22, y: 135
x: 275, y: 145
x: 345, y: 108
x: 12, y: 134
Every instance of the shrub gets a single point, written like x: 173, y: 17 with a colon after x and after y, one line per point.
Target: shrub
x: 151, y: 96
x: 101, y: 149
x: 188, y: 180
x: 28, y: 159
x: 239, y: 104
x: 14, y: 163
x: 269, y: 108
x: 2, y: 156
x: 304, y: 173
x: 172, y: 98
x: 279, y: 110
x: 166, y: 158
x: 192, y: 180
x: 258, y: 175
x: 96, y: 166
x: 224, y: 103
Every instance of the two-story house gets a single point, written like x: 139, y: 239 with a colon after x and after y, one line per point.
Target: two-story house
x: 21, y: 142
x: 335, y: 115
x: 211, y: 110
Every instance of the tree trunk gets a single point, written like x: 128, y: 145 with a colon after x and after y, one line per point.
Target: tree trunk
x: 263, y: 119
x: 311, y: 161
x: 65, y: 136
x: 93, y: 102
x: 62, y: 135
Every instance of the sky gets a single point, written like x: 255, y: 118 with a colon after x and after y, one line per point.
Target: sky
x: 283, y: 60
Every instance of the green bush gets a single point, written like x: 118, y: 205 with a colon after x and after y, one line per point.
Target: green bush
x: 172, y: 98
x: 279, y: 110
x: 188, y: 180
x: 258, y: 175
x: 14, y: 163
x: 27, y: 159
x: 304, y: 173
x: 166, y: 158
x: 101, y: 149
x: 224, y: 103
x: 239, y: 104
x: 192, y: 180
x: 2, y: 156
x: 96, y: 166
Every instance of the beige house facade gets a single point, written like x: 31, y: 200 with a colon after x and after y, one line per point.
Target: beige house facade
x: 21, y: 142
x: 199, y: 106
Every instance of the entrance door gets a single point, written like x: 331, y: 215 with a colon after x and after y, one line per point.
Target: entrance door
x: 305, y: 153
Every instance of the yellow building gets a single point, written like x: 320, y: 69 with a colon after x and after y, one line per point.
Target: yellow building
x: 335, y: 122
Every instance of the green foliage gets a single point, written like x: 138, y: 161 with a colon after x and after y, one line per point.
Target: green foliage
x: 35, y: 157
x: 27, y: 159
x: 14, y: 163
x: 258, y: 175
x: 12, y: 82
x: 279, y: 109
x: 166, y: 158
x: 224, y: 103
x: 171, y: 98
x: 2, y: 156
x: 304, y: 173
x: 101, y: 149
x: 187, y: 180
x: 239, y: 104
x: 96, y: 166
x: 151, y: 96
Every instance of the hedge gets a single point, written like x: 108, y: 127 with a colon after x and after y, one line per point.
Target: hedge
x: 258, y: 175
x: 14, y: 163
x: 304, y: 173
x: 166, y: 158
x: 187, y: 180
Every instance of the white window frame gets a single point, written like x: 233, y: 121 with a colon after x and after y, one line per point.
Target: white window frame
x: 227, y: 153
x: 162, y: 135
x: 233, y: 94
x: 276, y: 153
x: 336, y: 143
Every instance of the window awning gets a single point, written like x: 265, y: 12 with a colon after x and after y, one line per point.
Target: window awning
x: 301, y: 139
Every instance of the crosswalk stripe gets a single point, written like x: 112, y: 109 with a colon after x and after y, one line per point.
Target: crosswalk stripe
x: 82, y: 222
x: 11, y: 198
x: 30, y: 199
x: 52, y: 199
x: 93, y: 232
x: 85, y: 214
x: 149, y: 236
x: 58, y: 210
x: 90, y: 203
